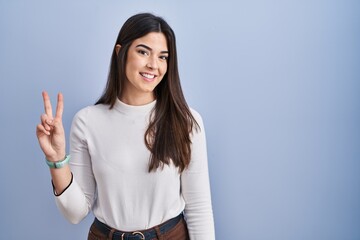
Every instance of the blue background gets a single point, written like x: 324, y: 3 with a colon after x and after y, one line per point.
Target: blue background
x: 277, y: 83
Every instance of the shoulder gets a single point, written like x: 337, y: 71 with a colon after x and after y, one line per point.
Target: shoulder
x: 88, y: 118
x: 197, y: 116
x: 198, y: 119
x: 91, y: 112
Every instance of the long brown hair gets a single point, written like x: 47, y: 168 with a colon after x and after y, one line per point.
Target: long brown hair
x: 168, y: 136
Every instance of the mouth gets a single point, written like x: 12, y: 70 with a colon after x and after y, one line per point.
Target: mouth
x: 148, y: 76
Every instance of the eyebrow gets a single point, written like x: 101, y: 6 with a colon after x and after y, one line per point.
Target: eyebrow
x: 150, y: 49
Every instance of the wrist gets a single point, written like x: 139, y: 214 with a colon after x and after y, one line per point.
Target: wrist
x: 58, y: 164
x: 56, y: 158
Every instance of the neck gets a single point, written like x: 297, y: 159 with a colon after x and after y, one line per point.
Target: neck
x: 142, y: 99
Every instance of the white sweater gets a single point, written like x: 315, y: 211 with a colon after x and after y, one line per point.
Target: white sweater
x: 109, y: 162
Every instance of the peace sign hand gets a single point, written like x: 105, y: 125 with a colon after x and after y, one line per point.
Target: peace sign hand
x: 50, y: 132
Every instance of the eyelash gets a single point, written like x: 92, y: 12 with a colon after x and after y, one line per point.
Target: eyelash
x: 147, y: 54
x: 143, y: 52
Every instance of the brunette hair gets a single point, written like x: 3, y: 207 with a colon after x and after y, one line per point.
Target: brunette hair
x: 168, y: 134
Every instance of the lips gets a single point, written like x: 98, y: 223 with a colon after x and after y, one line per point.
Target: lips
x: 148, y: 76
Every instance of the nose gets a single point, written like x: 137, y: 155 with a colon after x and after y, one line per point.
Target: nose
x: 152, y: 63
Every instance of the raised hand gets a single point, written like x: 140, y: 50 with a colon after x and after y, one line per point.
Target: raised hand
x: 50, y: 132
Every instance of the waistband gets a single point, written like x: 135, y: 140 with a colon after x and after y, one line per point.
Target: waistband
x: 138, y: 235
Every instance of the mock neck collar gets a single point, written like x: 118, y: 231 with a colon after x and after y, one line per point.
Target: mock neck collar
x: 131, y: 109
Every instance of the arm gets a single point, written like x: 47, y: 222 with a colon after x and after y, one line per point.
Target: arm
x: 76, y: 202
x: 51, y: 137
x: 71, y: 200
x: 196, y: 189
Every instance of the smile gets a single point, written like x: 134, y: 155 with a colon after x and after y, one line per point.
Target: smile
x: 148, y: 75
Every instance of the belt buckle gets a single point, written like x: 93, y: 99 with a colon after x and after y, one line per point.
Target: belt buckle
x: 139, y: 234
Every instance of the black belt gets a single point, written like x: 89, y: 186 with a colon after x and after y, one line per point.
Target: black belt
x: 137, y: 235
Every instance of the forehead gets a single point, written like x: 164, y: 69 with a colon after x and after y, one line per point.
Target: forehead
x: 154, y: 40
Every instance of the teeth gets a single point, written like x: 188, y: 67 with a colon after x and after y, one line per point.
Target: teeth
x: 150, y: 76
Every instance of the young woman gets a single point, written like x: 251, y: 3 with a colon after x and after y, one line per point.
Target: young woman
x: 138, y: 156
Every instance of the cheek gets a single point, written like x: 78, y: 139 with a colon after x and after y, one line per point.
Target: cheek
x: 133, y: 64
x: 164, y: 69
x: 127, y: 71
x: 130, y: 68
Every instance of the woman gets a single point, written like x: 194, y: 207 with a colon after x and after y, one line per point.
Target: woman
x: 138, y: 156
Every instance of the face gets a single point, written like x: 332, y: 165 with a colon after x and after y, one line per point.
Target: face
x: 146, y: 66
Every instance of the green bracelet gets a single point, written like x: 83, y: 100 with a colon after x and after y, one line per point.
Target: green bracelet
x: 58, y: 164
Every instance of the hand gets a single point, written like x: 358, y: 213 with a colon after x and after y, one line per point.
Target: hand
x: 50, y: 132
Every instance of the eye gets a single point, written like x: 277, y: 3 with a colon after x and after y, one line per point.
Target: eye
x: 143, y: 52
x: 164, y: 58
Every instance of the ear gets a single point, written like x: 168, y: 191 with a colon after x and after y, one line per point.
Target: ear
x: 117, y: 48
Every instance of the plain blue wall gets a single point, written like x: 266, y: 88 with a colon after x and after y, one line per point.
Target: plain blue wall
x: 277, y: 83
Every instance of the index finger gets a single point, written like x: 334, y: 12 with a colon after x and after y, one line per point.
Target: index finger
x: 59, y: 106
x: 47, y: 104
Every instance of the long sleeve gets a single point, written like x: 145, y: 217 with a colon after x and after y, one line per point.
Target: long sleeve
x: 77, y: 200
x: 109, y: 162
x: 195, y: 188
